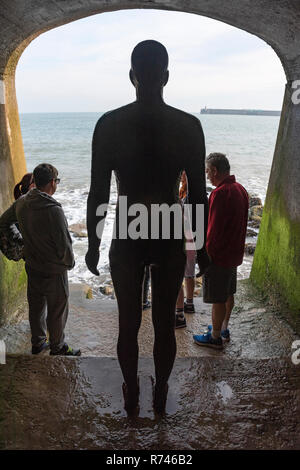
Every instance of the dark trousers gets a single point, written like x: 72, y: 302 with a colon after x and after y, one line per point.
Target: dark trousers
x: 127, y: 264
x: 48, y: 296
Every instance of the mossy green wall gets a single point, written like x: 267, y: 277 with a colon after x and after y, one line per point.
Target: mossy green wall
x: 12, y: 168
x: 12, y: 288
x: 276, y: 266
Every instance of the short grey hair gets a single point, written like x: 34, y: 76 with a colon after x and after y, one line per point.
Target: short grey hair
x: 43, y: 174
x: 219, y: 161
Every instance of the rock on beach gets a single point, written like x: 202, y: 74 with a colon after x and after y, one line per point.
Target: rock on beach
x: 78, y: 230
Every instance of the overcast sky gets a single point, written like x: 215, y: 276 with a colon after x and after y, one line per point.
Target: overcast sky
x: 83, y: 66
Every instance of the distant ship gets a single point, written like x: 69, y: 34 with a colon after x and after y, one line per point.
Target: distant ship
x: 240, y: 112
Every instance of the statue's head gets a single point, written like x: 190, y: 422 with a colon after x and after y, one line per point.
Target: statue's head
x: 149, y: 65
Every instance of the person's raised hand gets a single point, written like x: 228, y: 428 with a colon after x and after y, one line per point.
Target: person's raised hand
x: 92, y: 260
x: 203, y: 261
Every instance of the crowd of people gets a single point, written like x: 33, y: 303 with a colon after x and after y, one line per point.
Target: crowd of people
x: 149, y: 146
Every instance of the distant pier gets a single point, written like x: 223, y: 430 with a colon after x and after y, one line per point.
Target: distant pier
x: 241, y: 112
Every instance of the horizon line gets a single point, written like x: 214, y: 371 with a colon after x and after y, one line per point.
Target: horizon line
x: 94, y: 112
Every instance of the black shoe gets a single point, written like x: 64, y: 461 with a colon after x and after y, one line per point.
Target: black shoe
x: 146, y: 305
x: 189, y: 308
x: 160, y: 398
x: 38, y: 349
x: 66, y: 351
x: 131, y: 398
x: 180, y: 321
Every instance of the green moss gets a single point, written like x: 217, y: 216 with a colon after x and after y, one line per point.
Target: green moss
x: 276, y: 266
x: 22, y: 280
x: 13, y: 282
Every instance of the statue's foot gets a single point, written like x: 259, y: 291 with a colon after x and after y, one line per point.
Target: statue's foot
x: 131, y: 397
x: 160, y: 395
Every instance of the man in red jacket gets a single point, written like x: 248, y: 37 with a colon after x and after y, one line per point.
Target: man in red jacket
x: 226, y: 233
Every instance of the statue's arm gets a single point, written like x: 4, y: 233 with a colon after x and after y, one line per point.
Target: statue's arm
x: 195, y: 171
x: 98, y: 194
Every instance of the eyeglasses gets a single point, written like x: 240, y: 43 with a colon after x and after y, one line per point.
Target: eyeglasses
x: 57, y: 180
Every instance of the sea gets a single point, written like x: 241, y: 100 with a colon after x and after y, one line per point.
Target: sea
x: 64, y: 140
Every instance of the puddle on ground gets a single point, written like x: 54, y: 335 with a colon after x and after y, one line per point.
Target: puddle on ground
x: 224, y: 391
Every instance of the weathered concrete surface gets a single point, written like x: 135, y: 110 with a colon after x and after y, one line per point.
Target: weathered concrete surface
x: 76, y: 403
x: 275, y: 22
x: 278, y: 23
x: 12, y: 168
x: 257, y: 330
x: 13, y: 282
x: 276, y: 266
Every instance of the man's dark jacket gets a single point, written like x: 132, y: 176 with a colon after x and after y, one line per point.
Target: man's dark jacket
x: 42, y: 223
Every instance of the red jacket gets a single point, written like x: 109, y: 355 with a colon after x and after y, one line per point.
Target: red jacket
x: 227, y: 223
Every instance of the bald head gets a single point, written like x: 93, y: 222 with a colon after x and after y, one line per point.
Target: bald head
x: 149, y: 64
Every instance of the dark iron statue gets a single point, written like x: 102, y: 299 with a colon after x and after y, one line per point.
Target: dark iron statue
x: 147, y: 144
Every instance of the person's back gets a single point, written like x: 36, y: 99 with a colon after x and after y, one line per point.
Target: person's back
x: 226, y: 232
x: 226, y: 235
x: 147, y: 144
x: 148, y: 147
x: 11, y: 241
x: 48, y: 256
x: 47, y: 243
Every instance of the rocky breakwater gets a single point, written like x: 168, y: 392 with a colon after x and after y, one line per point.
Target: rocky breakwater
x: 254, y: 221
x: 78, y: 230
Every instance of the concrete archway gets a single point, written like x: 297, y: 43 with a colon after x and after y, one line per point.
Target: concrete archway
x: 277, y: 260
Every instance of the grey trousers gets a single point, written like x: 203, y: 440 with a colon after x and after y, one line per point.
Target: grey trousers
x: 48, y: 300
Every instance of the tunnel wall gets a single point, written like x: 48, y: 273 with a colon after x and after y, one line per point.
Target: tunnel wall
x: 12, y: 168
x: 276, y: 266
x: 276, y: 262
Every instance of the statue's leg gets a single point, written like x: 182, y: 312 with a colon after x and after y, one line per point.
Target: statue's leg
x: 127, y: 279
x: 146, y: 284
x: 166, y: 280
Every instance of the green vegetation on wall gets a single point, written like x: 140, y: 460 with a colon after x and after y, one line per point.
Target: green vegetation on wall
x: 12, y: 287
x: 276, y: 266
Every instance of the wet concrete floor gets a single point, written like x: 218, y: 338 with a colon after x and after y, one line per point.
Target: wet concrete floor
x: 245, y: 397
x: 67, y: 403
x: 257, y: 331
